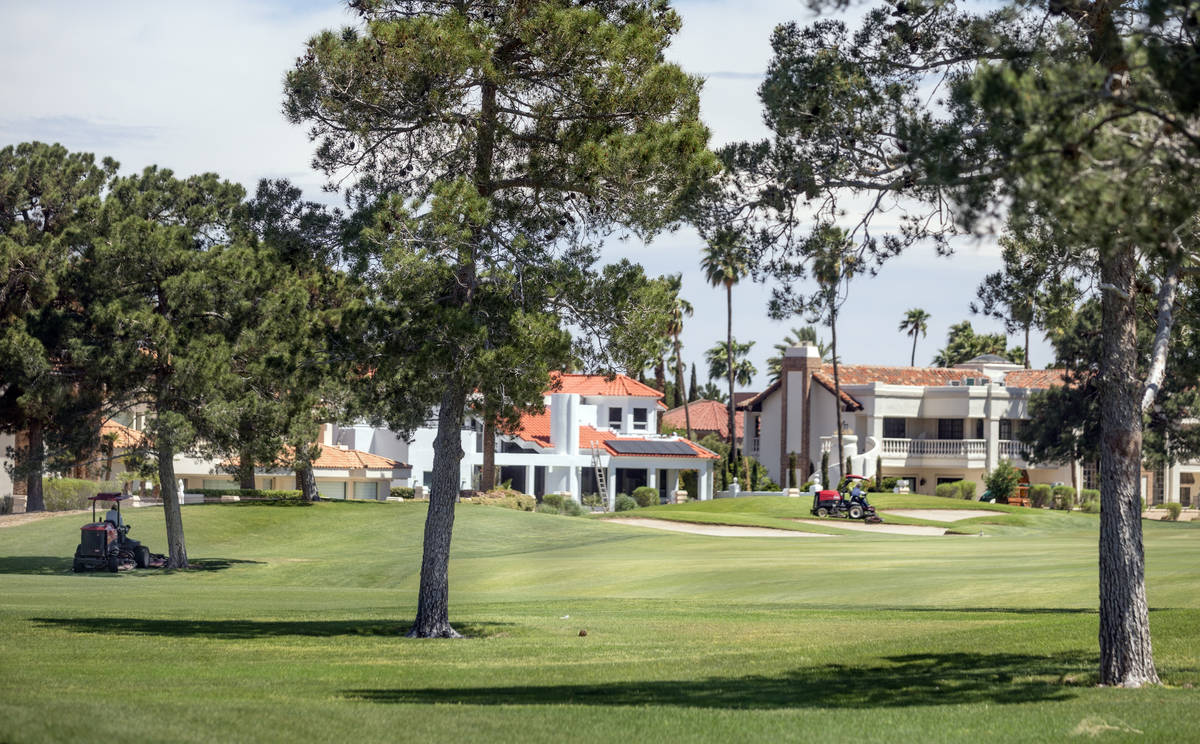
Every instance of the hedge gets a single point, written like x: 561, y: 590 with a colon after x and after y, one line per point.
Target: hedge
x: 1040, y: 495
x: 507, y: 498
x: 645, y: 495
x: 62, y: 494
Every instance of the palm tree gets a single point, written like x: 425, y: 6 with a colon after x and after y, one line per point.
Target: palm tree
x: 680, y: 309
x: 797, y: 337
x: 718, y: 362
x: 724, y: 263
x: 916, y: 321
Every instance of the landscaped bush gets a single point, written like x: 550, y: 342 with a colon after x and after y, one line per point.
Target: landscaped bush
x: 625, y: 503
x: 592, y: 499
x: 61, y: 494
x: 1173, y: 511
x: 1089, y: 501
x: 1002, y: 481
x: 645, y: 495
x: 1040, y: 495
x: 1064, y: 494
x: 262, y: 496
x: 403, y: 493
x: 889, y: 484
x: 507, y: 498
x: 544, y: 508
x: 554, y: 501
x: 966, y: 490
x: 946, y: 490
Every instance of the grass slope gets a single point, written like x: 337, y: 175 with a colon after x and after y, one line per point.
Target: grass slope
x: 292, y: 630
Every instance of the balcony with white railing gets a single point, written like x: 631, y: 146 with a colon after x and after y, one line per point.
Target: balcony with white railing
x: 934, y: 448
x: 1013, y: 449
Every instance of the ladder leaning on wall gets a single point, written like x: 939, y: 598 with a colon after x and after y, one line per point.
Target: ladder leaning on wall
x: 601, y: 477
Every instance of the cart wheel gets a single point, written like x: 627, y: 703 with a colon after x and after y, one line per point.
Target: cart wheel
x: 856, y: 511
x: 142, y: 556
x: 77, y: 566
x: 822, y: 512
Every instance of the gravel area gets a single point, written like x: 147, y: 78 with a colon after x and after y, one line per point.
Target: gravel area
x: 719, y: 530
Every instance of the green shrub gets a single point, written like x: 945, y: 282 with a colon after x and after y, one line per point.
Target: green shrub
x: 947, y: 490
x: 1173, y: 511
x: 258, y: 495
x: 889, y: 483
x: 1003, y: 481
x: 966, y: 490
x: 544, y: 508
x: 573, y: 508
x: 1040, y: 495
x: 1064, y: 493
x: 1090, y: 494
x: 62, y: 494
x: 1090, y: 506
x: 593, y: 499
x: 399, y: 492
x: 508, y: 499
x: 554, y: 500
x: 645, y: 496
x: 626, y: 503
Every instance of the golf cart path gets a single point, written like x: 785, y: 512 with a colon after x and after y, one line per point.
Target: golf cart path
x: 942, y: 515
x: 891, y: 529
x: 718, y: 530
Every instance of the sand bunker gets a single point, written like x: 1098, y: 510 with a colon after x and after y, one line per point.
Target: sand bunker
x: 942, y: 515
x: 890, y: 529
x: 719, y: 530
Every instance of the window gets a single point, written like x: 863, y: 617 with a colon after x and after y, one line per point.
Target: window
x: 1091, y: 475
x: 640, y: 420
x: 979, y: 428
x: 1006, y: 428
x: 614, y: 418
x: 950, y: 428
x: 1157, y: 493
x: 222, y: 485
x: 894, y: 428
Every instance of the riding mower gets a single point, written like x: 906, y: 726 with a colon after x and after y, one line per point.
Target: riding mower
x: 105, y: 543
x: 831, y: 503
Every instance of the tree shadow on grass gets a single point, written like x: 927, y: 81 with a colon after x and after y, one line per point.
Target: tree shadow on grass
x: 896, y: 682
x: 52, y: 565
x: 247, y: 629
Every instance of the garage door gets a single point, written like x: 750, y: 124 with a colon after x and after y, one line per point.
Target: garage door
x: 366, y: 491
x: 332, y: 490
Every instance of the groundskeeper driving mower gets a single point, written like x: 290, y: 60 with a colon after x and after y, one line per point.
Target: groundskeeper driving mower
x: 831, y: 503
x: 105, y: 543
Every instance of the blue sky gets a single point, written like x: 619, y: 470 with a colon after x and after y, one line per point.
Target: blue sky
x: 197, y: 87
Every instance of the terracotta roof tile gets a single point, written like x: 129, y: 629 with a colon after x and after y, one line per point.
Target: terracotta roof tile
x: 706, y: 415
x: 126, y: 438
x: 535, y: 428
x: 1041, y: 379
x: 600, y: 385
x: 335, y: 458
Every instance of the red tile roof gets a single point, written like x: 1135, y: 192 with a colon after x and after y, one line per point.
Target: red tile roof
x: 126, y: 438
x: 600, y: 385
x: 535, y: 428
x: 335, y: 458
x: 1041, y: 379
x: 706, y: 415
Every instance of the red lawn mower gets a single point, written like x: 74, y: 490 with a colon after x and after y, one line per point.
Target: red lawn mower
x: 105, y: 543
x: 831, y: 503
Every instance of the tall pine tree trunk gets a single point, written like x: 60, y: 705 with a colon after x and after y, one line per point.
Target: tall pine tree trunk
x: 35, y: 501
x: 1126, y: 658
x: 487, y: 473
x: 433, y: 600
x: 245, y: 471
x: 176, y: 547
x: 306, y: 481
x: 1027, y: 327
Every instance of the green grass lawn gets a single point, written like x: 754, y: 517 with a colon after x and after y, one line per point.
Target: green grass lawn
x: 291, y: 629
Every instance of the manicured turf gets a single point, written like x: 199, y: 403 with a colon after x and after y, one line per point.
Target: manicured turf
x: 292, y: 630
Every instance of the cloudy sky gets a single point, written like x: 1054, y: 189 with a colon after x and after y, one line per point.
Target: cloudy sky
x: 197, y: 87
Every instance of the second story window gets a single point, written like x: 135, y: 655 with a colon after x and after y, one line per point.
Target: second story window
x: 614, y: 418
x: 950, y: 428
x: 979, y: 428
x: 894, y: 428
x: 1006, y: 429
x: 640, y: 419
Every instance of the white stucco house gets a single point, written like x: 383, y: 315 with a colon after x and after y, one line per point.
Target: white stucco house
x: 928, y: 425
x: 597, y: 435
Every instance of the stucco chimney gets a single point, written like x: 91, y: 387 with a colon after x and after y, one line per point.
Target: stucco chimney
x: 564, y: 423
x: 327, y: 435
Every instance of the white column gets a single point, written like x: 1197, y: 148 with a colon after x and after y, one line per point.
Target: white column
x: 529, y: 472
x: 612, y: 486
x: 652, y: 477
x: 704, y: 480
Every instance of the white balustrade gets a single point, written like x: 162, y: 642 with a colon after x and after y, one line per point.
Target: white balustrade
x: 967, y: 448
